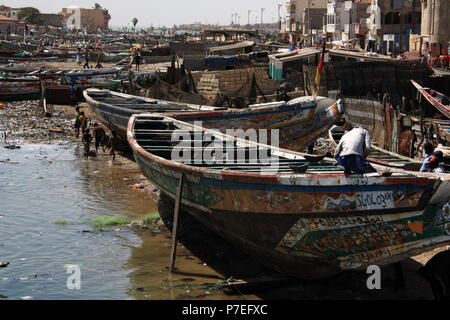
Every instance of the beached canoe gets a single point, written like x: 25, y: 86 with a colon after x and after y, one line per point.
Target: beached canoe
x: 19, y: 88
x: 300, y: 121
x: 439, y: 100
x: 114, y: 109
x: 302, y: 218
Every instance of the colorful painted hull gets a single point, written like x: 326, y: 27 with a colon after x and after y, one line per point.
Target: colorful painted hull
x: 300, y: 121
x: 117, y: 115
x: 309, y: 224
x: 435, y: 98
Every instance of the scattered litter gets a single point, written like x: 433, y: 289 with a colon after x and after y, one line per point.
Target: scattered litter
x: 138, y: 186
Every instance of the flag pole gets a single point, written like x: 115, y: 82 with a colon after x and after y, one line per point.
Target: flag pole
x: 319, y: 71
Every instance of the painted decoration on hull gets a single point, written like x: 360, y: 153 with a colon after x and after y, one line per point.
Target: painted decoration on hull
x: 357, y: 241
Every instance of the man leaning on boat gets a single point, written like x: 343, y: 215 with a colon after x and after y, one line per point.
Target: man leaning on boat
x: 352, y: 150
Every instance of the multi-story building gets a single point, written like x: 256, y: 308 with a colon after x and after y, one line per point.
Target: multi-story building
x: 296, y: 23
x: 14, y: 12
x: 436, y: 26
x: 90, y: 18
x: 392, y: 22
x: 347, y: 20
x: 5, y: 11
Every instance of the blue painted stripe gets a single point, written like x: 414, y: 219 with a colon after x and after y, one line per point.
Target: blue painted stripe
x: 295, y: 188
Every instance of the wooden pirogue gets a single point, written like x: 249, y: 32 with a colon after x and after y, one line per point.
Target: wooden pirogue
x: 19, y: 88
x: 309, y: 224
x: 300, y: 121
x: 439, y: 100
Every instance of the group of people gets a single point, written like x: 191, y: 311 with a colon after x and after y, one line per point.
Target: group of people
x: 355, y: 146
x: 101, y: 139
x: 87, y: 54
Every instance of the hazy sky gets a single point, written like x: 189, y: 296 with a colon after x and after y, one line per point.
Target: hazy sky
x: 166, y: 13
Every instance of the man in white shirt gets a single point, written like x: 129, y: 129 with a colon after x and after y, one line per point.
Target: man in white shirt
x: 352, y: 150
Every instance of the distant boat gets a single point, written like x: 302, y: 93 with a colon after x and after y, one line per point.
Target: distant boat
x: 300, y: 217
x: 300, y: 121
x: 439, y: 100
x: 442, y: 72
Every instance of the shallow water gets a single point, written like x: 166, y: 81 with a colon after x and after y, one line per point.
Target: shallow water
x: 43, y: 184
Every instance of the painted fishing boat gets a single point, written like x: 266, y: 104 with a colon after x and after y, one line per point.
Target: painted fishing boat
x: 114, y: 109
x: 439, y: 100
x: 19, y: 88
x: 300, y: 121
x: 302, y: 217
x: 72, y: 75
x: 378, y: 155
x: 442, y: 72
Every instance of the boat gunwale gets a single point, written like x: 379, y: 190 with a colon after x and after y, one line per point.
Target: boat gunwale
x: 409, y: 177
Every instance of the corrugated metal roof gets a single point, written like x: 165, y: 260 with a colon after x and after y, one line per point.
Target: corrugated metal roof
x: 240, y: 45
x: 295, y: 55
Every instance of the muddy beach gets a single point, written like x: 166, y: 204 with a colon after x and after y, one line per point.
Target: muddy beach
x: 204, y: 262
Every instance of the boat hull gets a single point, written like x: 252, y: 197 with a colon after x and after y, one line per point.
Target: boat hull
x: 299, y: 123
x: 444, y: 109
x: 19, y: 89
x: 309, y: 226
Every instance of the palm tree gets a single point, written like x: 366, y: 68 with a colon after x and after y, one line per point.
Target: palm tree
x: 134, y: 21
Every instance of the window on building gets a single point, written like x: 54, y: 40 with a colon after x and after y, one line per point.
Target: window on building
x: 392, y: 18
x: 396, y: 18
x: 408, y: 18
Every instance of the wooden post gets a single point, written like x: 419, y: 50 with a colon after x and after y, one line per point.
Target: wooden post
x: 43, y: 101
x: 175, y: 223
x: 130, y: 82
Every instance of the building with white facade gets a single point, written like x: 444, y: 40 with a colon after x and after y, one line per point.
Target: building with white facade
x: 346, y: 20
x: 295, y: 21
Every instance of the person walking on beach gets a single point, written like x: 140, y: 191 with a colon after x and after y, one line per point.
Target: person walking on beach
x: 79, y: 57
x: 99, y: 135
x: 352, y: 150
x: 86, y: 58
x: 99, y: 55
x: 77, y: 122
x: 137, y: 60
x: 114, y: 144
x: 83, y: 122
x: 87, y: 138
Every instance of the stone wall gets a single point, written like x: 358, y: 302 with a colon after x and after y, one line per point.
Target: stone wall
x: 234, y: 83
